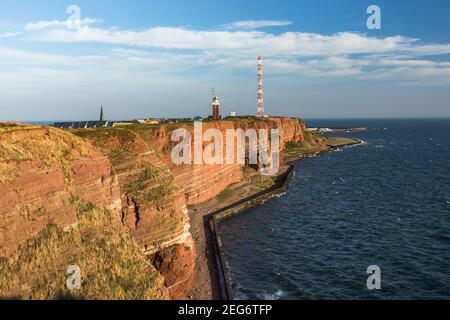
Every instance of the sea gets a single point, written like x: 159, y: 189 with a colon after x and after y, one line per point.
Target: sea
x: 383, y: 203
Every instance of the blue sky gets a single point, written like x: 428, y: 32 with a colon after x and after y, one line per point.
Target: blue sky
x: 160, y: 58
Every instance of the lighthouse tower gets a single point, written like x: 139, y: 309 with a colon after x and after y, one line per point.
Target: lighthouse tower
x: 260, y: 112
x: 216, y: 108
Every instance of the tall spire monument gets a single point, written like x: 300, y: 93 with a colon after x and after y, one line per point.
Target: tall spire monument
x: 101, y: 114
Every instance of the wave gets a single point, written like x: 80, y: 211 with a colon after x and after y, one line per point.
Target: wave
x: 275, y: 295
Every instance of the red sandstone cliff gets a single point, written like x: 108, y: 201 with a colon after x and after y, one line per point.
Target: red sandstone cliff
x: 130, y: 172
x: 153, y: 209
x: 199, y: 183
x: 40, y: 169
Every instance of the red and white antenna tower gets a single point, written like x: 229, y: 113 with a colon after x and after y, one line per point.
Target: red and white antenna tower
x: 260, y: 112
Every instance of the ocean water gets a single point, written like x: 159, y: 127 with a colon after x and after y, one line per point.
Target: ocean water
x: 385, y: 202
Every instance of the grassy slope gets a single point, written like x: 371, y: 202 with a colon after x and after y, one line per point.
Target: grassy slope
x: 117, y: 143
x: 112, y: 266
x: 54, y: 148
x: 312, y: 144
x: 340, y: 141
x: 256, y: 183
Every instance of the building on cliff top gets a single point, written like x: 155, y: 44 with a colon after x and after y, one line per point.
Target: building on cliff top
x: 86, y: 124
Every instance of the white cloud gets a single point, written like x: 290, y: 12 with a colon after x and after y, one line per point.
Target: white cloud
x: 413, y: 75
x: 249, y: 43
x: 10, y: 34
x: 412, y: 63
x: 11, y: 56
x: 159, y: 49
x: 40, y: 25
x: 256, y: 24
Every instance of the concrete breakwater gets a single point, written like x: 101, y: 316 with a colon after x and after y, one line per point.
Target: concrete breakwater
x: 280, y: 186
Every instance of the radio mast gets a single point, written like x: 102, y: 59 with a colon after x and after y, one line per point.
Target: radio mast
x: 260, y: 112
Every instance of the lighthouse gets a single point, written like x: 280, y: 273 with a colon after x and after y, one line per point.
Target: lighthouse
x: 216, y: 108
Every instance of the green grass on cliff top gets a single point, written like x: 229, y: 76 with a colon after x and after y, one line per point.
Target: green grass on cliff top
x: 116, y: 143
x: 311, y: 143
x: 112, y: 266
x: 51, y: 146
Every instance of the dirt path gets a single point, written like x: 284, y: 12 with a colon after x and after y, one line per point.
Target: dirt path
x: 207, y: 282
x: 206, y: 285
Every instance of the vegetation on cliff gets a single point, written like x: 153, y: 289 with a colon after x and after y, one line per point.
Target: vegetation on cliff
x: 147, y: 184
x: 23, y: 143
x: 336, y: 142
x: 117, y: 143
x: 49, y: 145
x: 311, y: 144
x: 254, y: 182
x: 112, y: 266
x: 150, y: 186
x: 149, y: 193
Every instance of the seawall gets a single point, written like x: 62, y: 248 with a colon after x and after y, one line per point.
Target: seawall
x: 230, y: 211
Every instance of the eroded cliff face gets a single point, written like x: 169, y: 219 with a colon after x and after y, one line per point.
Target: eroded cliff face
x: 61, y: 206
x: 40, y: 170
x: 126, y: 170
x: 153, y: 208
x: 199, y: 183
